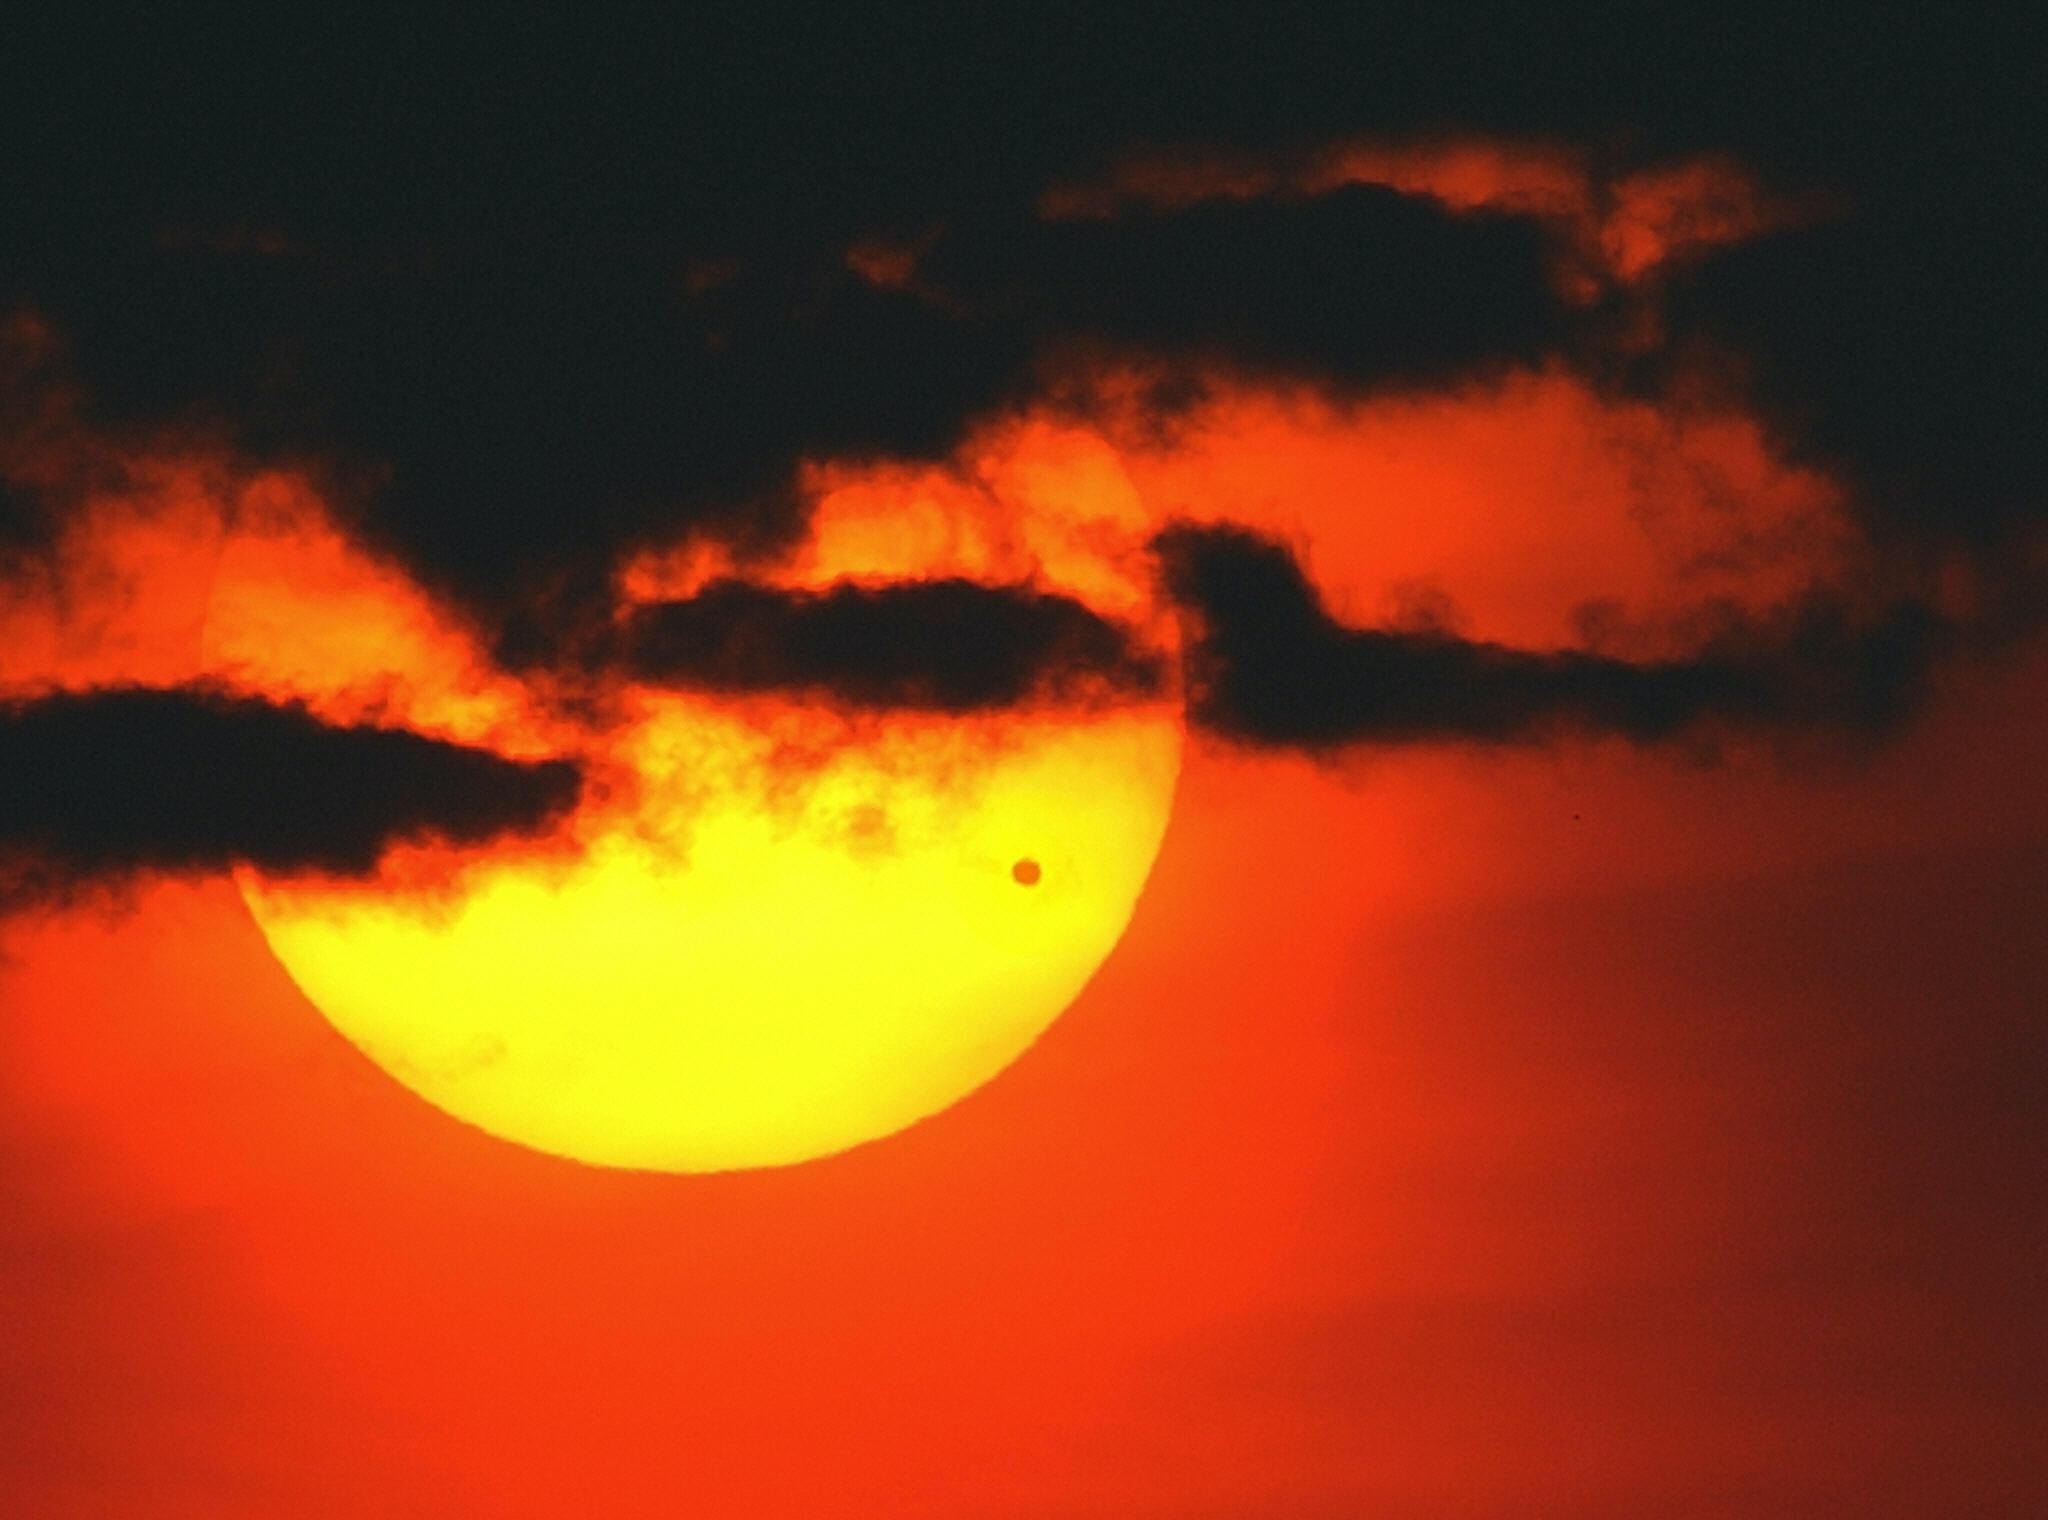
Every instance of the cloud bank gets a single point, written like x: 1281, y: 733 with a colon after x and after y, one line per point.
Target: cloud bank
x: 103, y: 784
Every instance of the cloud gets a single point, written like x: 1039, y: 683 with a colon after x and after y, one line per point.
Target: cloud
x: 952, y: 646
x: 20, y: 521
x: 508, y: 416
x: 1268, y: 666
x: 1900, y: 347
x: 96, y: 785
x: 1609, y: 227
x: 1364, y: 287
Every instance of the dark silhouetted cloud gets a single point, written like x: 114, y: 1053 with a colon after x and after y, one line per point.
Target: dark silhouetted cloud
x: 1267, y: 665
x: 1900, y: 347
x: 103, y: 783
x: 952, y: 646
x: 21, y: 523
x: 507, y: 415
x: 1360, y: 288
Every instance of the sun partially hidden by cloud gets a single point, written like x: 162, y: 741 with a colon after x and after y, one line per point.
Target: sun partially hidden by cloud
x: 718, y: 971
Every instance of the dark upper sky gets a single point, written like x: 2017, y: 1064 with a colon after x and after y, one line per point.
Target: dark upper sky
x: 533, y: 293
x: 456, y: 258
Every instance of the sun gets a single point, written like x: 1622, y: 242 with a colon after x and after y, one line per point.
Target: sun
x: 763, y: 969
x: 772, y: 931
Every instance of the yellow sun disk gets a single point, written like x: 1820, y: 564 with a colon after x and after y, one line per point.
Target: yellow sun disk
x: 754, y: 971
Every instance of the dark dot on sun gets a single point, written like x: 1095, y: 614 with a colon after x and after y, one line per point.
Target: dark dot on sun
x: 1025, y: 872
